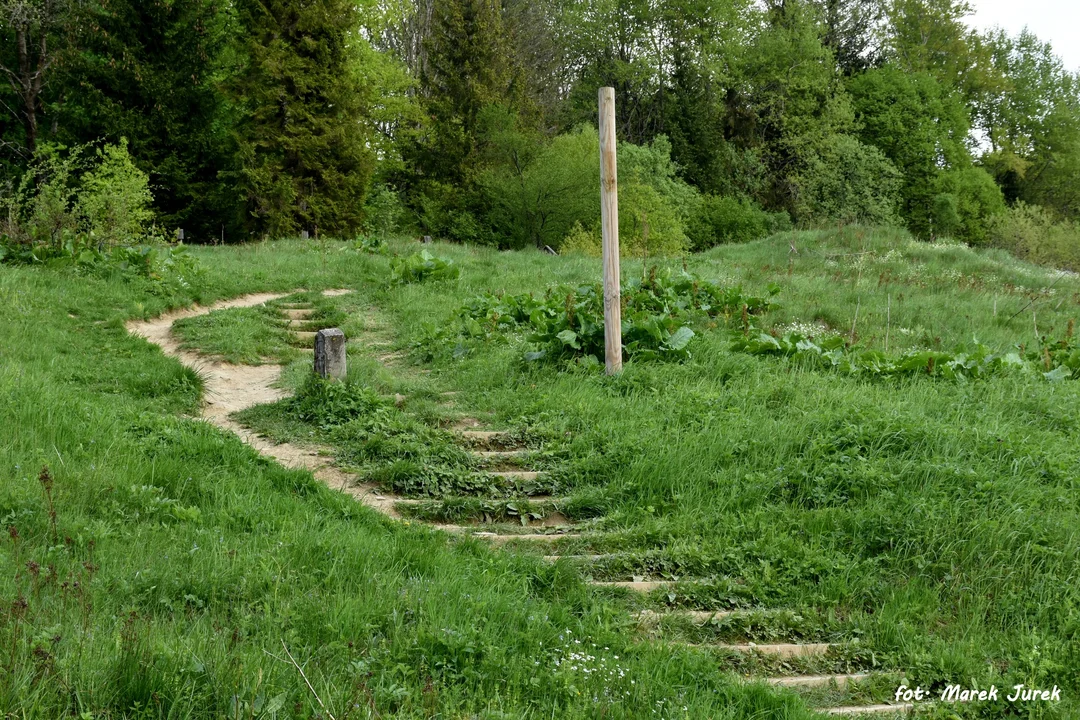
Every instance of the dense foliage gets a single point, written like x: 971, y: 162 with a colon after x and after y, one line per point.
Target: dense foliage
x: 474, y: 121
x: 567, y: 322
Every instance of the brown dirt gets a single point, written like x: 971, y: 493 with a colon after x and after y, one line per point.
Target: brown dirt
x: 231, y: 388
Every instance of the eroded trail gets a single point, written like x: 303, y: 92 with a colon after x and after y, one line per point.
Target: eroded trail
x: 798, y: 665
x: 230, y: 388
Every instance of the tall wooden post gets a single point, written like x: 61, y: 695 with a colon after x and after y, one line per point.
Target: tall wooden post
x: 609, y: 218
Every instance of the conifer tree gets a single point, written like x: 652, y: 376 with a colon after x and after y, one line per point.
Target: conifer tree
x: 147, y: 72
x: 302, y: 141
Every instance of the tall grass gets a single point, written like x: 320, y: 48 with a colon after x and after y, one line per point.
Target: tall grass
x: 933, y: 524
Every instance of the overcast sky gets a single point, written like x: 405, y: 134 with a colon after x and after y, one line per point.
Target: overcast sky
x: 1056, y: 21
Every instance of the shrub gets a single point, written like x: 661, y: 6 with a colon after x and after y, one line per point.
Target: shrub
x: 422, y: 266
x: 732, y: 220
x: 445, y: 212
x: 538, y: 202
x: 1032, y: 233
x: 977, y: 201
x: 652, y: 165
x: 114, y: 199
x: 847, y: 180
x: 383, y: 211
x: 40, y: 210
x: 580, y: 241
x: 649, y: 222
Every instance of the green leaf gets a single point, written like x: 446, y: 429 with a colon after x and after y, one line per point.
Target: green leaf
x: 276, y: 703
x: 1059, y: 373
x: 681, y: 338
x: 569, y: 337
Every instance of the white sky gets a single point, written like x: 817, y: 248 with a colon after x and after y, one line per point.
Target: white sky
x: 1055, y: 21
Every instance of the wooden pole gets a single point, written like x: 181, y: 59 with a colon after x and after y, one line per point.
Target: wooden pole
x: 609, y: 218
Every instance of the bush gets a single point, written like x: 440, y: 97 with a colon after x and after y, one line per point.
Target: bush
x: 580, y: 241
x: 539, y: 202
x: 40, y: 210
x: 721, y: 220
x: 422, y: 266
x: 1032, y: 233
x: 649, y: 222
x: 652, y: 165
x: 445, y: 212
x: 383, y: 211
x: 976, y: 201
x: 56, y: 210
x: 847, y: 180
x: 114, y: 199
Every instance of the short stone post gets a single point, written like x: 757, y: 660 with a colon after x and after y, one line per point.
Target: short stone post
x: 330, y: 354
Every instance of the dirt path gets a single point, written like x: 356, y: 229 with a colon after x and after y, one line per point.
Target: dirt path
x: 230, y: 388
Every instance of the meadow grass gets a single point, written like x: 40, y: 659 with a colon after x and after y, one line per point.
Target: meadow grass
x: 931, y: 525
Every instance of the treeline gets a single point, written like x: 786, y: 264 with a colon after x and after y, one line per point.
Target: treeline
x: 474, y: 120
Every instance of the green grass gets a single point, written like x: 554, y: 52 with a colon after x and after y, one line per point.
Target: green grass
x: 933, y: 523
x: 248, y: 336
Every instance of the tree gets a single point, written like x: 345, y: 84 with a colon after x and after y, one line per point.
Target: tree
x: 788, y: 100
x: 302, y: 140
x: 469, y: 69
x: 1031, y: 119
x: 148, y: 72
x: 921, y: 128
x: 851, y: 32
x: 536, y: 198
x: 31, y: 47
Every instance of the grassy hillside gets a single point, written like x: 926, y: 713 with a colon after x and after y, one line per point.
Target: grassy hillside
x: 927, y: 523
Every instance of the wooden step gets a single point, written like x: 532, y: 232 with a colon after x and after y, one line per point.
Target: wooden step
x: 299, y: 313
x: 520, y: 475
x: 500, y: 538
x: 309, y: 336
x: 784, y: 650
x: 641, y: 586
x: 499, y: 454
x: 297, y: 306
x: 293, y: 324
x: 698, y: 617
x: 576, y: 558
x: 868, y: 709
x: 818, y: 681
x: 483, y: 435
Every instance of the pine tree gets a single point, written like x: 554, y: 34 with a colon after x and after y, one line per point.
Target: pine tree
x: 302, y: 142
x: 146, y: 71
x: 469, y: 68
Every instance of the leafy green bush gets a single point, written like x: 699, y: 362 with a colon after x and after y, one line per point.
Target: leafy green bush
x: 66, y: 203
x: 1054, y: 359
x: 649, y: 223
x: 536, y: 203
x: 731, y: 220
x: 1032, y: 233
x: 652, y: 165
x: 580, y: 241
x: 422, y: 266
x: 850, y: 181
x: 977, y: 201
x: 40, y: 211
x: 568, y: 322
x: 327, y: 404
x: 383, y: 211
x: 114, y: 198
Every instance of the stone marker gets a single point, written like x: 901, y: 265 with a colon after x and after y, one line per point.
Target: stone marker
x: 330, y: 354
x: 426, y: 240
